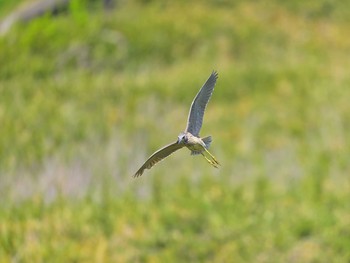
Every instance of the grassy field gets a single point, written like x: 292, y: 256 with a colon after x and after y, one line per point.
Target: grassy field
x: 87, y: 95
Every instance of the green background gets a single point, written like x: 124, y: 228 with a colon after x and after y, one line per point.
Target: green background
x: 88, y: 94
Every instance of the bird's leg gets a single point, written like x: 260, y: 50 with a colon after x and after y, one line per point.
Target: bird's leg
x: 212, y: 156
x: 210, y: 161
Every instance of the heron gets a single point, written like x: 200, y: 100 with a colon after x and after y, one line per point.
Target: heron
x: 190, y: 137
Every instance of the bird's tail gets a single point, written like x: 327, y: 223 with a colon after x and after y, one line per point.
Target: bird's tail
x: 207, y: 140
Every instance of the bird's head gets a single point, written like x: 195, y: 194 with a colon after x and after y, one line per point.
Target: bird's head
x: 182, y: 138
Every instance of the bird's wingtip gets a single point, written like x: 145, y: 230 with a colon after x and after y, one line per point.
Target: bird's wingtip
x: 137, y: 174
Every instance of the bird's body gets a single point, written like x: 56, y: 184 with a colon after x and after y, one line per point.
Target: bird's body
x: 190, y: 137
x: 193, y: 143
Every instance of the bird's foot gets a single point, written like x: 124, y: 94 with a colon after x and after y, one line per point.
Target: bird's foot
x: 214, y: 160
x: 213, y: 163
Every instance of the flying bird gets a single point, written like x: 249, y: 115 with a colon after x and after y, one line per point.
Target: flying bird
x: 190, y: 137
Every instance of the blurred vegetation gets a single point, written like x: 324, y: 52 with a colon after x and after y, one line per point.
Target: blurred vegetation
x: 88, y: 94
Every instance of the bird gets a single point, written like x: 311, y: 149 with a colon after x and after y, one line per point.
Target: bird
x: 190, y: 137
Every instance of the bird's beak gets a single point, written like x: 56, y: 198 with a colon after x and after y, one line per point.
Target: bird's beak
x: 178, y: 140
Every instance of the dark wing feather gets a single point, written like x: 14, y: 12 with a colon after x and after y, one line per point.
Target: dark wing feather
x: 158, y: 156
x: 195, y: 117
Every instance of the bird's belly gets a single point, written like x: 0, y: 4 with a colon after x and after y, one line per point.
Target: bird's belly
x: 194, y: 147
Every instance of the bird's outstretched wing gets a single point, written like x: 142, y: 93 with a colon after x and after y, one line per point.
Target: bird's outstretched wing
x: 158, y: 156
x: 195, y: 117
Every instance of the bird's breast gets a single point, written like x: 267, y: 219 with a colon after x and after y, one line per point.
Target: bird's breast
x: 194, y: 144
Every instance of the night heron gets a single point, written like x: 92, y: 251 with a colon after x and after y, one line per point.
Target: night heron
x: 190, y: 137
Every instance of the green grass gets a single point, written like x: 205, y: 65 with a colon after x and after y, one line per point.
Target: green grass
x: 86, y: 96
x: 207, y: 222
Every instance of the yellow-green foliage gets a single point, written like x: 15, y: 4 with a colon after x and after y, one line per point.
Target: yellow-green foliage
x: 209, y: 222
x: 87, y: 95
